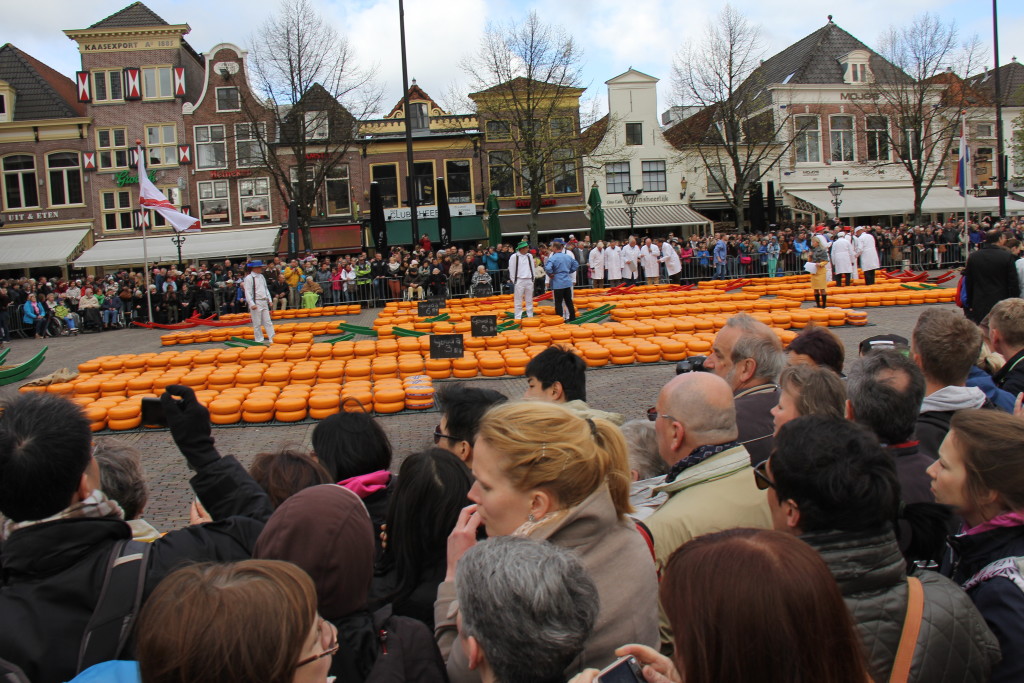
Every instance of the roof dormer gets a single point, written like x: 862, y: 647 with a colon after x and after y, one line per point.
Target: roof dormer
x: 856, y: 67
x: 6, y: 102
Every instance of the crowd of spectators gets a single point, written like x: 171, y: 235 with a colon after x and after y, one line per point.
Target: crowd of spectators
x: 867, y: 526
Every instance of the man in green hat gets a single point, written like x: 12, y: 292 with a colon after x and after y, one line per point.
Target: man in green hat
x: 520, y: 272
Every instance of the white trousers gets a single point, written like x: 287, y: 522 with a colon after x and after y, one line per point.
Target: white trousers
x: 523, y: 294
x: 260, y: 321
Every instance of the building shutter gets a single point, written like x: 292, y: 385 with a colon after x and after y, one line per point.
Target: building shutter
x: 142, y: 219
x: 89, y: 160
x: 84, y: 86
x: 179, y: 81
x: 184, y: 154
x: 132, y: 87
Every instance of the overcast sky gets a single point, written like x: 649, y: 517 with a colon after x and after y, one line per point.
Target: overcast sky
x: 615, y: 35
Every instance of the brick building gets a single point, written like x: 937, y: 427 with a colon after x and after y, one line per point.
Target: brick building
x: 46, y: 202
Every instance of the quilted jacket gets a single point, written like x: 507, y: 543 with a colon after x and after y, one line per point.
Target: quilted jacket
x: 954, y: 644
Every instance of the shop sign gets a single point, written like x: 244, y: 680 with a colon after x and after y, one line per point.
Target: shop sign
x: 230, y: 174
x: 123, y: 178
x: 31, y: 216
x: 525, y: 203
x: 428, y: 212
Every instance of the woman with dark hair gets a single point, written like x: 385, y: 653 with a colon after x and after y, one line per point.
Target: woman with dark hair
x: 737, y: 599
x: 817, y: 346
x: 325, y: 530
x: 425, y: 504
x: 356, y: 452
x: 980, y: 473
x: 284, y: 473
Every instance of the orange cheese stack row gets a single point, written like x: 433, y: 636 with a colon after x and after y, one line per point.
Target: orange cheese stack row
x: 284, y: 333
x: 343, y: 309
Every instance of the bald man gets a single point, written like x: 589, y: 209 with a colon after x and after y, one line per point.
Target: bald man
x: 710, y: 485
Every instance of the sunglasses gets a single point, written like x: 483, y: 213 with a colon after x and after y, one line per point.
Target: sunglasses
x: 438, y: 435
x: 761, y: 477
x: 653, y: 415
x: 328, y: 641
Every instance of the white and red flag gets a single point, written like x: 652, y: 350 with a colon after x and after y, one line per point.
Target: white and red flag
x: 152, y: 198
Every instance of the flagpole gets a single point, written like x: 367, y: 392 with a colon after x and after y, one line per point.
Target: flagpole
x: 145, y: 251
x: 964, y: 163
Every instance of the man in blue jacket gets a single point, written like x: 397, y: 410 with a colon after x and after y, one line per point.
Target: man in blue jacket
x: 561, y: 267
x: 719, y: 255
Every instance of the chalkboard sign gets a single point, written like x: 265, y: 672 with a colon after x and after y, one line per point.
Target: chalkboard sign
x: 446, y: 346
x: 428, y: 309
x: 484, y: 325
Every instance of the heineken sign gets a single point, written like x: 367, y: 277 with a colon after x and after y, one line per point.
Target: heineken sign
x: 123, y: 178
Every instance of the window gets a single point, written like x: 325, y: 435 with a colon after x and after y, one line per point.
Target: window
x: 655, y: 179
x: 112, y: 148
x: 718, y: 180
x: 249, y: 148
x: 386, y: 177
x: 498, y: 130
x: 910, y: 140
x: 157, y: 83
x: 634, y: 133
x: 878, y: 138
x: 841, y: 137
x: 561, y: 128
x: 173, y: 195
x: 808, y: 139
x: 418, y: 118
x: 617, y: 177
x: 501, y: 173
x: 423, y: 182
x: 213, y: 203
x: 117, y: 210
x: 20, y: 188
x: 460, y: 181
x: 984, y: 130
x: 338, y: 199
x: 304, y: 193
x: 563, y: 170
x: 162, y: 145
x: 65, y: 178
x: 210, y: 148
x: 106, y: 86
x: 856, y: 73
x: 254, y: 200
x: 316, y: 125
x: 227, y: 99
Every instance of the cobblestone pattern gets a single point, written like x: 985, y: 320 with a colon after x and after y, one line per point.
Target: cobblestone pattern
x: 627, y: 390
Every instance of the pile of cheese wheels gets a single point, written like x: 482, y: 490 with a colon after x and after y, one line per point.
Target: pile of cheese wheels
x: 288, y: 314
x: 285, y: 333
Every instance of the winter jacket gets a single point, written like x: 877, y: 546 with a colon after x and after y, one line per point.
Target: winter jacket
x: 936, y: 411
x: 52, y: 572
x: 1010, y: 377
x: 618, y: 560
x: 755, y: 421
x: 954, y: 645
x: 991, y: 275
x: 999, y: 600
x: 1001, y: 398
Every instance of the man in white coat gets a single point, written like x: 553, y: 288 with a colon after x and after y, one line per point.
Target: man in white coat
x: 520, y: 271
x: 596, y: 262
x: 867, y: 251
x: 613, y: 264
x: 650, y: 256
x: 673, y: 266
x: 257, y: 296
x: 630, y: 261
x: 844, y: 261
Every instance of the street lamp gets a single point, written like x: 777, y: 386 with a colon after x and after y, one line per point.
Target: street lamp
x: 836, y: 188
x: 178, y: 239
x: 629, y: 196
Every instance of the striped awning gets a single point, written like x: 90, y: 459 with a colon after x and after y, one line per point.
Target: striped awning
x: 657, y: 216
x: 42, y: 248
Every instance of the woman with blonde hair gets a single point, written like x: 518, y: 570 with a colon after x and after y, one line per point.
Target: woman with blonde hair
x: 544, y: 472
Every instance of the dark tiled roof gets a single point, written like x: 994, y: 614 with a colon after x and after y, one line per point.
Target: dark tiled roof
x: 415, y: 93
x: 42, y: 93
x: 1011, y: 84
x: 135, y: 14
x: 520, y: 83
x: 593, y: 135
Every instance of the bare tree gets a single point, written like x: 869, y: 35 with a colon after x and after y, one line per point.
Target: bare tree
x: 736, y: 131
x: 1017, y: 149
x: 925, y: 94
x: 310, y: 94
x: 528, y: 81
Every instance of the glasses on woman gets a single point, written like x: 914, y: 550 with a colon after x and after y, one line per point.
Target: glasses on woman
x: 761, y: 477
x: 438, y: 435
x: 328, y: 641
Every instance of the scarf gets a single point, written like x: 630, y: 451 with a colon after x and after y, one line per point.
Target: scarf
x: 1007, y: 519
x: 364, y: 485
x: 95, y: 506
x: 697, y: 456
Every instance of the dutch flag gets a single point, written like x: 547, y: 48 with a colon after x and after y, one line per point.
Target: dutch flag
x: 963, y: 167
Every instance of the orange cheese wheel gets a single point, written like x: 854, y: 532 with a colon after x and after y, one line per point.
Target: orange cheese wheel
x: 322, y: 413
x: 257, y: 417
x: 120, y: 425
x: 324, y: 401
x: 394, y: 407
x: 258, y: 404
x: 226, y: 419
x: 698, y: 346
x: 290, y: 404
x: 290, y: 416
x: 224, y: 406
x: 464, y: 374
x: 125, y: 411
x: 96, y: 413
x: 387, y: 395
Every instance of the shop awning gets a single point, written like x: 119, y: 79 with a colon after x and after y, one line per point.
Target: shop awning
x: 41, y: 248
x: 895, y: 201
x: 665, y: 216
x: 464, y: 229
x: 198, y: 245
x: 548, y: 222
